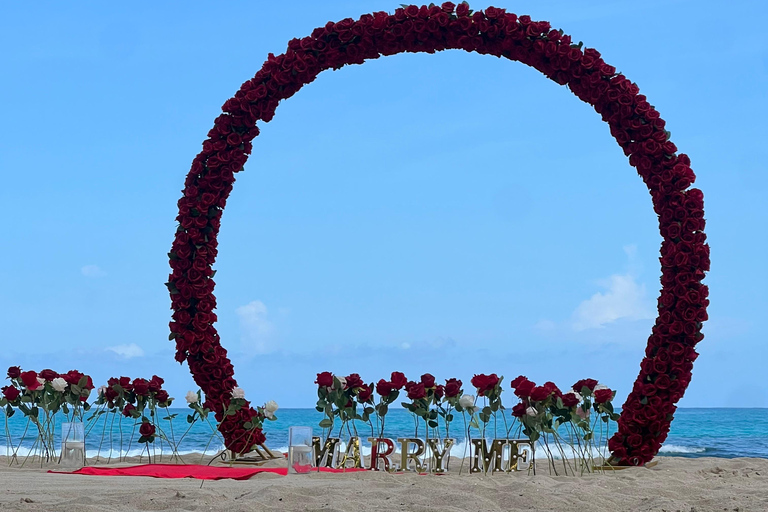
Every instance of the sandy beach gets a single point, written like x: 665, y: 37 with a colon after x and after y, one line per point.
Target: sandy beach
x: 674, y: 484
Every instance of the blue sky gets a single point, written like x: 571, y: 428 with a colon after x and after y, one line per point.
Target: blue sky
x: 451, y: 213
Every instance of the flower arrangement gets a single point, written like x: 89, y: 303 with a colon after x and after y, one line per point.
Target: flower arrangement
x: 634, y: 123
x: 573, y: 427
x: 40, y: 396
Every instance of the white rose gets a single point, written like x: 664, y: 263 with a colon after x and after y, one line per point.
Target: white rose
x: 601, y: 386
x: 238, y: 393
x: 271, y: 406
x: 100, y: 391
x: 41, y: 381
x: 342, y: 381
x: 582, y: 413
x: 531, y: 411
x: 467, y: 401
x: 268, y: 414
x: 59, y: 384
x: 191, y: 397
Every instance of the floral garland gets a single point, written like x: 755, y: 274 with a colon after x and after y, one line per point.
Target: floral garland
x: 634, y: 123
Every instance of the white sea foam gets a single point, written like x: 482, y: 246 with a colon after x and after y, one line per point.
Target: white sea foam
x: 676, y: 448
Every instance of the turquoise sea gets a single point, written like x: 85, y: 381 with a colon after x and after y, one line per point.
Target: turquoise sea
x: 695, y: 432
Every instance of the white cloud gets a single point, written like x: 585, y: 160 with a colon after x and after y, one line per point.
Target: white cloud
x: 127, y: 351
x: 624, y: 299
x: 544, y: 325
x: 92, y: 271
x: 255, y: 328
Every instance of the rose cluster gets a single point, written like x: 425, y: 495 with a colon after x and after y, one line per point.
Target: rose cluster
x: 131, y: 397
x: 634, y: 122
x: 46, y: 388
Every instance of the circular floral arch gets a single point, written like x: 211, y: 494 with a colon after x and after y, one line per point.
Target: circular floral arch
x: 666, y: 369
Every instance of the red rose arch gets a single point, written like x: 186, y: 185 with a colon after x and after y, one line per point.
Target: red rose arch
x: 666, y: 369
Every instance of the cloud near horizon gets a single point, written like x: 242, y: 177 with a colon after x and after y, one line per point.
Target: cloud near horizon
x: 128, y: 351
x: 624, y: 299
x: 256, y: 330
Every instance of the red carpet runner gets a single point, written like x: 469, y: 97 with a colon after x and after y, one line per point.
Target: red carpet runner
x: 189, y: 471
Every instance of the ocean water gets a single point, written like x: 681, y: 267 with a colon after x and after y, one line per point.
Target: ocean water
x: 707, y: 432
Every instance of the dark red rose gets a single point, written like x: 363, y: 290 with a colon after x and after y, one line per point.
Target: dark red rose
x: 125, y: 383
x: 48, y: 375
x: 570, y: 399
x: 354, y: 381
x: 29, y: 379
x: 155, y: 384
x: 128, y: 409
x: 88, y: 383
x: 365, y: 393
x: 72, y: 377
x: 588, y: 383
x: 161, y: 396
x: 384, y: 388
x: 416, y: 391
x: 324, y: 379
x: 398, y: 380
x: 552, y: 388
x: 462, y: 10
x: 439, y: 391
x: 518, y: 411
x: 524, y: 389
x: 141, y: 387
x: 452, y: 388
x: 112, y: 381
x: 147, y: 429
x: 603, y: 395
x: 448, y: 7
x: 110, y: 394
x: 519, y: 380
x: 485, y: 383
x: 428, y: 380
x: 11, y: 393
x: 540, y: 393
x: 14, y: 372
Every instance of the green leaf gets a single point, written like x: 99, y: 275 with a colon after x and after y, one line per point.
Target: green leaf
x: 383, y: 409
x: 449, y: 417
x: 432, y: 424
x: 326, y: 423
x: 190, y: 419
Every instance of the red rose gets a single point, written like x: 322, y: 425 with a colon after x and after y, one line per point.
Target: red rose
x: 155, y: 384
x: 552, y: 388
x: 439, y: 391
x: 462, y: 10
x: 452, y: 388
x: 125, y: 383
x: 354, y: 381
x: 485, y: 383
x: 48, y: 375
x: 128, y: 409
x: 29, y: 379
x: 524, y: 389
x: 141, y: 387
x: 72, y: 377
x: 324, y: 379
x: 588, y: 383
x: 603, y: 395
x: 540, y: 393
x: 14, y: 372
x: 364, y: 393
x: 11, y: 393
x: 570, y: 399
x: 161, y: 396
x: 398, y: 380
x: 147, y: 429
x: 110, y: 394
x: 428, y: 380
x: 519, y: 380
x: 519, y: 410
x: 384, y: 388
x: 416, y: 391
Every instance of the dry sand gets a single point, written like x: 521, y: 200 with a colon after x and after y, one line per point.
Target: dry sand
x: 675, y: 484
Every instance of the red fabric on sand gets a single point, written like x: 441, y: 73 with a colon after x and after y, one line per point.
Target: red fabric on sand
x: 177, y: 471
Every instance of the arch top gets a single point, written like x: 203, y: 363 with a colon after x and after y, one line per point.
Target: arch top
x: 634, y: 123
